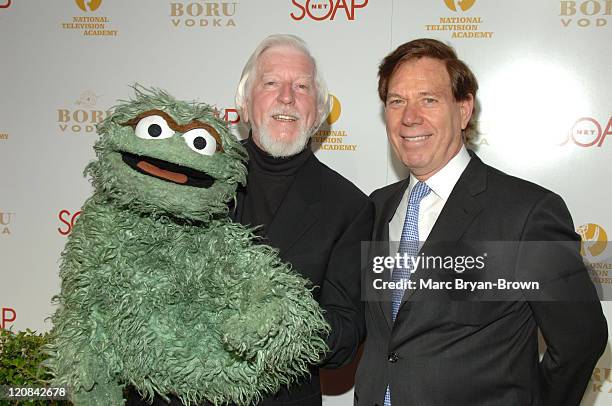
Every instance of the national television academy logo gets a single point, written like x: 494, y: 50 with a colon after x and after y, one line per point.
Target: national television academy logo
x: 333, y: 139
x: 460, y: 26
x: 90, y: 25
x: 459, y: 5
x: 594, y: 239
x: 86, y: 5
x: 595, y: 254
x: 335, y: 110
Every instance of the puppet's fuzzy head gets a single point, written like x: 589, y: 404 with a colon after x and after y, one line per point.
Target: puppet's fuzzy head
x: 164, y: 157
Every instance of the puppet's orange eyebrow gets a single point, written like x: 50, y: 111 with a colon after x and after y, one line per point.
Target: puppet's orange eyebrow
x: 182, y: 128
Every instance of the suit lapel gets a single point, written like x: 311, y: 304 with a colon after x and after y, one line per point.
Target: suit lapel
x: 387, y: 211
x: 459, y: 211
x: 299, y: 209
x: 461, y: 207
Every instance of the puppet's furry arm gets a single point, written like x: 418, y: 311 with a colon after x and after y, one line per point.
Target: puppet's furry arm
x: 79, y: 354
x: 274, y: 320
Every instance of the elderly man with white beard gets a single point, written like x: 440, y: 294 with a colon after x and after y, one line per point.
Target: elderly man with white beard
x: 314, y: 216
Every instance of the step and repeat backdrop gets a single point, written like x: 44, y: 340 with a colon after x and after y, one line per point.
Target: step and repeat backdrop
x: 544, y: 107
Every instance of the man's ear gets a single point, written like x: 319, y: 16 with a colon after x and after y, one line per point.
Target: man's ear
x: 467, y: 107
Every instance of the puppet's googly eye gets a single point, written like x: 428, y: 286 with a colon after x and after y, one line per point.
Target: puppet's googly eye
x: 201, y: 141
x: 153, y: 128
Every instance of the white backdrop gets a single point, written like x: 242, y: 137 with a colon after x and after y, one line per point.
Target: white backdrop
x: 543, y: 68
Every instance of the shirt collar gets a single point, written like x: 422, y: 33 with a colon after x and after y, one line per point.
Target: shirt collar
x: 443, y: 181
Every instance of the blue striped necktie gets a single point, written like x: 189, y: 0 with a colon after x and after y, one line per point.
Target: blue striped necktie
x: 409, y: 244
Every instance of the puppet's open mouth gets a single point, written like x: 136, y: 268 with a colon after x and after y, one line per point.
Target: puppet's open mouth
x: 167, y: 171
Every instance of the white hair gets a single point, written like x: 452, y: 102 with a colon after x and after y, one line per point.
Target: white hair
x: 245, y: 86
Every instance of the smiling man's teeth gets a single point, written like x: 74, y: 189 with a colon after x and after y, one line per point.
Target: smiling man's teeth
x: 282, y: 117
x: 421, y: 138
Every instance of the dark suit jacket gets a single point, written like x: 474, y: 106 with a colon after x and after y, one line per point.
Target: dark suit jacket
x: 318, y: 230
x: 444, y: 352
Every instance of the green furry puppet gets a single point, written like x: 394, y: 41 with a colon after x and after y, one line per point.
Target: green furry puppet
x: 160, y: 289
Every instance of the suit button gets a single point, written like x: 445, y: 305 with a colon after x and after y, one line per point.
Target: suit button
x: 393, y: 357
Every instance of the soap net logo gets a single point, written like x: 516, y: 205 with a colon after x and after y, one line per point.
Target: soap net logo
x: 67, y: 220
x: 9, y: 315
x: 5, y: 3
x: 320, y: 10
x: 230, y: 115
x: 85, y: 5
x: 459, y: 5
x: 588, y: 132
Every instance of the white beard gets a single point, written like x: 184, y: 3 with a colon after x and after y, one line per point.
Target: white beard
x: 280, y: 148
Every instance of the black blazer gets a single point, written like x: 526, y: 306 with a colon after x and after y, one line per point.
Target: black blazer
x: 318, y: 229
x: 444, y: 352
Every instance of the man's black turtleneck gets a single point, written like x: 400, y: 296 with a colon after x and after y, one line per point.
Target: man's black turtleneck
x: 268, y: 182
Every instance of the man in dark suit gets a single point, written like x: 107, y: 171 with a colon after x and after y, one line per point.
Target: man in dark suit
x: 315, y: 217
x: 437, y: 350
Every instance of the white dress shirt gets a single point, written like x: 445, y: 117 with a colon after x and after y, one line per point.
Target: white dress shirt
x: 441, y: 185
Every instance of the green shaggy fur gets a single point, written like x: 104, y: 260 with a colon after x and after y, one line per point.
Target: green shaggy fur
x: 162, y: 291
